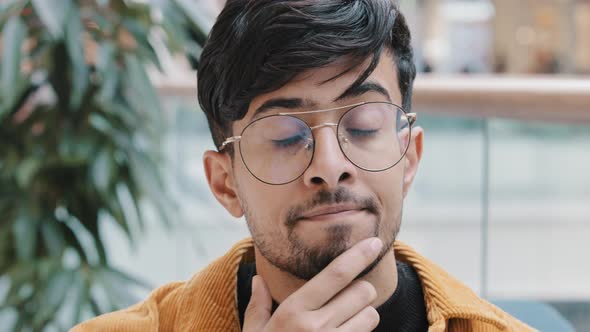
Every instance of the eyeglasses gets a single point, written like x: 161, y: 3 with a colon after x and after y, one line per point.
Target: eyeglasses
x: 278, y: 149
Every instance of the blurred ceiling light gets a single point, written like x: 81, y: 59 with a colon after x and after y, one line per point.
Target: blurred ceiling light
x: 525, y: 35
x: 435, y: 50
x: 468, y: 11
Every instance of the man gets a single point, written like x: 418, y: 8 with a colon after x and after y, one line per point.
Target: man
x: 309, y: 104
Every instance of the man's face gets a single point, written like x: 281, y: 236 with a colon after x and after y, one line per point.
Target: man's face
x: 301, y: 226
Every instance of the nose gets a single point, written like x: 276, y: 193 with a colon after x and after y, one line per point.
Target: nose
x: 329, y: 167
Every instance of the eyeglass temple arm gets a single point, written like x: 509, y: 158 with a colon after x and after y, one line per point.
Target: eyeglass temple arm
x: 411, y: 118
x: 229, y: 140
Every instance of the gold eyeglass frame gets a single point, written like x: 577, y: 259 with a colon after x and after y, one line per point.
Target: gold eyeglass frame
x: 412, y: 117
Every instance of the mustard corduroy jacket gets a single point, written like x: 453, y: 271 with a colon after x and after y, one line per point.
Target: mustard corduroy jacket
x: 208, y: 301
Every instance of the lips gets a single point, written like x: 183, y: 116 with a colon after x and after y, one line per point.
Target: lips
x: 326, y: 211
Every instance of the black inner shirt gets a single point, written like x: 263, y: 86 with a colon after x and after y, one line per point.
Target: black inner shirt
x: 404, y: 311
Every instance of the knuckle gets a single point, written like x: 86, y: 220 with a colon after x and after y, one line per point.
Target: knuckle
x: 368, y: 290
x: 321, y: 320
x: 310, y: 325
x: 297, y: 323
x: 281, y: 321
x: 340, y: 272
x: 293, y: 319
x: 286, y: 312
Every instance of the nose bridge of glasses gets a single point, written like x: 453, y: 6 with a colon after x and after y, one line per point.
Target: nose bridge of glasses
x: 342, y: 140
x: 327, y: 124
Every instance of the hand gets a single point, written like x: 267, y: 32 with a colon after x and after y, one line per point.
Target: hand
x: 330, y: 301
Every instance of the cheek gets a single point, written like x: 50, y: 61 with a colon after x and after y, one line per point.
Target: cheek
x: 387, y: 186
x: 387, y: 183
x: 262, y: 203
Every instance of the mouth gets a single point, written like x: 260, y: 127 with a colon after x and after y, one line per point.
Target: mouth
x: 332, y: 212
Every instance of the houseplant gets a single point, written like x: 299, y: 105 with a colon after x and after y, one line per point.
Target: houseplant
x: 79, y: 126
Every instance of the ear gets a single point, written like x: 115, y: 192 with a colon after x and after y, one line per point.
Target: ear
x: 218, y: 170
x: 413, y: 157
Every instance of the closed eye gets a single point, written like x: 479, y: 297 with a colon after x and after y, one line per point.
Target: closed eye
x: 361, y: 132
x: 288, y: 142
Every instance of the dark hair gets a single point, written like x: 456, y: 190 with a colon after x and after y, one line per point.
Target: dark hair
x: 257, y: 46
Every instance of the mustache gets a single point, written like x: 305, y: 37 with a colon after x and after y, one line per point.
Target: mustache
x: 324, y: 197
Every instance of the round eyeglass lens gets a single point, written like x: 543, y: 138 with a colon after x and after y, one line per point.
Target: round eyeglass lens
x: 277, y: 149
x: 374, y: 136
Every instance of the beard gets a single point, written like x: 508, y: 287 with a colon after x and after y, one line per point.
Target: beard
x: 305, y: 261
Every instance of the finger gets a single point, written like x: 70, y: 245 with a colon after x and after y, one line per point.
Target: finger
x: 259, y: 309
x: 366, y: 320
x: 348, y: 303
x: 337, y: 275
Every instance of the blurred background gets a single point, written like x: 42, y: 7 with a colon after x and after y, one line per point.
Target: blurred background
x: 102, y: 192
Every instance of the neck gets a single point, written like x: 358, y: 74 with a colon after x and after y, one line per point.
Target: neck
x: 282, y: 284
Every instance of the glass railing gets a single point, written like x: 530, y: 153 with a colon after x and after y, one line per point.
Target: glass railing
x: 501, y: 200
x: 504, y: 187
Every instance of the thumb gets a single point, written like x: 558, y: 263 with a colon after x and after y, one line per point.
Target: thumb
x: 258, y: 311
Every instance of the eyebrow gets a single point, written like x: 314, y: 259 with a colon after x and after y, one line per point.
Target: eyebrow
x: 297, y: 103
x: 360, y: 89
x: 287, y: 103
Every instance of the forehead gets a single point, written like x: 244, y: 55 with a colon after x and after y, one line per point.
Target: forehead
x: 318, y: 89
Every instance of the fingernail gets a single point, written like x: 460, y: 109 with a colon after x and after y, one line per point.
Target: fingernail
x: 376, y: 244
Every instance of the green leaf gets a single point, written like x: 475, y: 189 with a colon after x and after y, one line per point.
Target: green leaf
x: 193, y: 49
x: 73, y: 241
x: 26, y: 171
x: 106, y: 56
x: 110, y: 83
x: 100, y: 248
x: 53, y: 14
x: 198, y: 19
x: 105, y: 25
x: 176, y: 35
x: 95, y: 307
x: 81, y: 288
x: 14, y: 297
x: 142, y: 96
x: 90, y: 225
x: 180, y: 36
x: 52, y: 297
x: 132, y: 196
x: 52, y: 236
x: 6, y: 246
x: 117, y: 286
x: 122, y: 277
x: 84, y: 212
x: 18, y: 324
x: 75, y: 149
x: 147, y: 176
x: 6, y: 4
x: 102, y: 170
x: 13, y: 35
x: 100, y: 123
x: 20, y: 275
x: 116, y: 211
x: 24, y: 231
x: 75, y: 47
x: 140, y: 33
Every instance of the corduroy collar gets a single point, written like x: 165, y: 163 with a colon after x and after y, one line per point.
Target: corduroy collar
x: 445, y: 296
x: 212, y: 293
